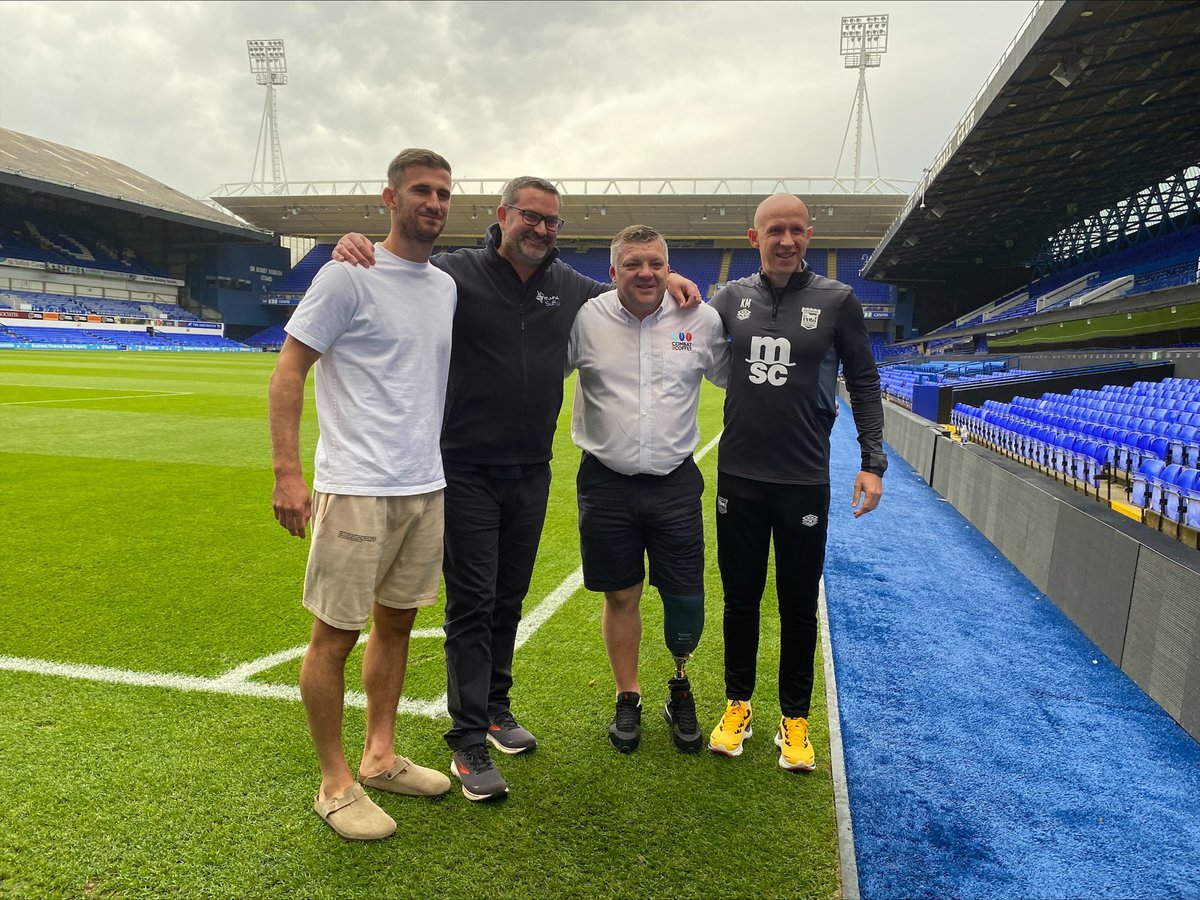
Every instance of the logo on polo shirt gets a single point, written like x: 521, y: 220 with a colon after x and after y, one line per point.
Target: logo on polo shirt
x: 682, y: 341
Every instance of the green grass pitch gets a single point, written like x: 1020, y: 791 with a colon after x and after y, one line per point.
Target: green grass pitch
x: 138, y: 543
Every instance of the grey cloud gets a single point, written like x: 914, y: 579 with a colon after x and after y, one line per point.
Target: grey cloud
x: 595, y: 89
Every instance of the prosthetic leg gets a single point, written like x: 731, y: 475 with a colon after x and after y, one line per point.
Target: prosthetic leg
x: 683, y: 623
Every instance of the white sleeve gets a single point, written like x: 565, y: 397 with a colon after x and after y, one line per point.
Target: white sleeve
x: 721, y: 352
x: 327, y: 308
x: 573, y: 347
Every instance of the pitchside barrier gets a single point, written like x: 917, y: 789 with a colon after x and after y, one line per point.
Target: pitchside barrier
x: 1134, y: 592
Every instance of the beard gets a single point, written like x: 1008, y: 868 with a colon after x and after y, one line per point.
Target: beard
x: 417, y: 228
x: 530, y: 249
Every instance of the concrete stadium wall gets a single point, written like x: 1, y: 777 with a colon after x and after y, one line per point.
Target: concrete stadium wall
x: 1134, y: 592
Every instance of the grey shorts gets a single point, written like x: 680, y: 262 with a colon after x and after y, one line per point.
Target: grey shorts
x: 368, y: 550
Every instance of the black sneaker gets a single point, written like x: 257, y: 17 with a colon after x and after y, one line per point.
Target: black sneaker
x: 507, y: 736
x: 625, y: 730
x: 480, y: 780
x: 680, y: 713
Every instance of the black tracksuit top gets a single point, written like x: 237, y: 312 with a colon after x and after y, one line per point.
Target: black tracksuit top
x: 508, y: 355
x: 781, y: 399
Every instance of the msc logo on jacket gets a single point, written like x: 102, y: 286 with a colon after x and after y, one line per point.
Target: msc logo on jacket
x: 769, y: 359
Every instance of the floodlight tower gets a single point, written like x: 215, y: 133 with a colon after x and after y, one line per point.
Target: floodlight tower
x: 269, y: 67
x: 864, y: 41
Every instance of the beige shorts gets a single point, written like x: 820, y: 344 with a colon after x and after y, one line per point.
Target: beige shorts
x: 372, y: 549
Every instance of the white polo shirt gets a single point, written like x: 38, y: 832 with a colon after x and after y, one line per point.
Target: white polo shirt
x: 639, y: 381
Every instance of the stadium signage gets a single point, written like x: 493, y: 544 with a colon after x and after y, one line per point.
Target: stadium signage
x: 60, y: 268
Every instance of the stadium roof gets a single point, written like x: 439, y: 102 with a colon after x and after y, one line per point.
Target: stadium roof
x: 717, y: 209
x: 1095, y: 101
x: 44, y: 167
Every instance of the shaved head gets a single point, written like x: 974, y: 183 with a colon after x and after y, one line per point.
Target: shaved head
x: 781, y: 233
x: 780, y: 205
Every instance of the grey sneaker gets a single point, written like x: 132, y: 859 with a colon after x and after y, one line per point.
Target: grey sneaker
x: 680, y: 713
x: 507, y: 736
x: 480, y: 780
x: 625, y: 730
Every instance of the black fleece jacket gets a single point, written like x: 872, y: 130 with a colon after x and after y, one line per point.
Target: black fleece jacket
x: 509, y: 354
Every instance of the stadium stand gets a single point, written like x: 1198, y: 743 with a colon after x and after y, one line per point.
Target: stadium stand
x: 1171, y: 261
x: 897, y: 380
x: 1144, y: 439
x: 849, y: 262
x: 297, y: 281
x: 68, y: 242
x: 100, y: 306
x: 270, y: 338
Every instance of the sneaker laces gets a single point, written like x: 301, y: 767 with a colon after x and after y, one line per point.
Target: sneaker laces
x: 683, y: 710
x: 735, y: 717
x: 477, y: 758
x: 505, y: 720
x: 627, y: 715
x: 794, y: 731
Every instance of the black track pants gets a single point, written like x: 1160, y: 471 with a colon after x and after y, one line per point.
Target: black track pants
x: 749, y: 514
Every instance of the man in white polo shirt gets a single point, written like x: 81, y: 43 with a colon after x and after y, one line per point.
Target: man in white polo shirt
x: 640, y: 363
x: 380, y: 341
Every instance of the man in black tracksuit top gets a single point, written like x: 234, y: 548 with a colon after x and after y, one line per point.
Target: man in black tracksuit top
x: 516, y: 303
x: 790, y: 329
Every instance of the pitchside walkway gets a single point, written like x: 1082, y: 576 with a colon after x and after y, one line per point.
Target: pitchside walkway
x: 991, y: 750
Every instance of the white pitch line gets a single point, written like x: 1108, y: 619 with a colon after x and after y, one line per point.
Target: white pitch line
x: 143, y: 396
x: 432, y: 708
x: 236, y: 681
x: 248, y: 670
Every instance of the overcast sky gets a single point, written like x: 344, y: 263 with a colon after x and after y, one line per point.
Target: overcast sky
x: 559, y: 89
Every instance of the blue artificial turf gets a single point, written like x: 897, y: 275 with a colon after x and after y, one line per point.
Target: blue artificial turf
x: 991, y: 750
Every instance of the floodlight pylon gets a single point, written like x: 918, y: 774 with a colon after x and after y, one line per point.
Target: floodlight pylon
x: 864, y: 41
x: 268, y: 64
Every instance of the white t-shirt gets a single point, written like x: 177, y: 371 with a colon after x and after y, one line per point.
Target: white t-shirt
x: 384, y: 338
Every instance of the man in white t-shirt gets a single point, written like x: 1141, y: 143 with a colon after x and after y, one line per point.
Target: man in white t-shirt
x: 640, y: 363
x: 380, y: 341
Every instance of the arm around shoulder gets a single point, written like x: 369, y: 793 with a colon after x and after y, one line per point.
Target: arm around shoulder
x: 355, y: 249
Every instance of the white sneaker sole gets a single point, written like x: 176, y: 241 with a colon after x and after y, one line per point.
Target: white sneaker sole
x: 511, y: 751
x: 722, y: 750
x: 467, y: 793
x: 791, y: 767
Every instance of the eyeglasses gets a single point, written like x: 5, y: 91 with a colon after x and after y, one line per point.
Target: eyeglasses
x: 532, y: 219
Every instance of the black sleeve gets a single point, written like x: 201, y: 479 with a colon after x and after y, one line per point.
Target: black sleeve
x: 862, y: 383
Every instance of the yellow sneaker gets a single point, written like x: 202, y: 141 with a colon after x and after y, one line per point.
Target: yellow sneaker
x: 795, y: 751
x: 734, y: 728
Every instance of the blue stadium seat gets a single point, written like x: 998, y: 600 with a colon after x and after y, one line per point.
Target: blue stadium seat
x: 1145, y: 481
